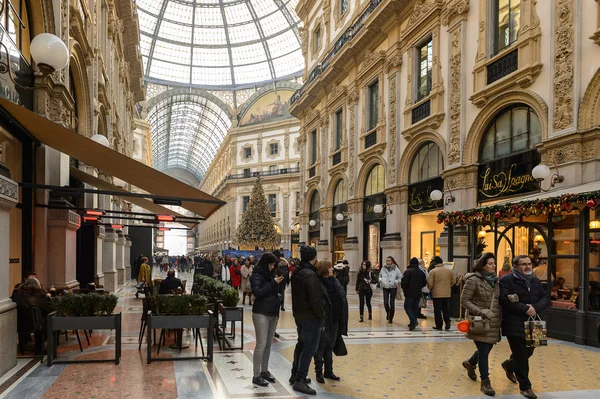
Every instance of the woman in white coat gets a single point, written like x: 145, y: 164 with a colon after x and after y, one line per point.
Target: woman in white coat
x: 389, y: 279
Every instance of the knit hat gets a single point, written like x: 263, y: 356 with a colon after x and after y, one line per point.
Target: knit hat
x: 414, y: 262
x: 437, y: 260
x: 307, y: 253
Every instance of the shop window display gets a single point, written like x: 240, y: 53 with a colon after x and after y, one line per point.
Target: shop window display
x: 594, y: 262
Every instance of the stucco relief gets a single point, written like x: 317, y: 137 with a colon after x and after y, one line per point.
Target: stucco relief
x: 455, y: 96
x: 563, y: 154
x: 454, y: 8
x: 8, y: 188
x: 351, y: 150
x: 392, y: 142
x: 420, y: 9
x: 563, y: 64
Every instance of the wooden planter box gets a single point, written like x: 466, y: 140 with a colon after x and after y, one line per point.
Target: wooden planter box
x: 165, y: 322
x: 230, y: 314
x: 86, y: 323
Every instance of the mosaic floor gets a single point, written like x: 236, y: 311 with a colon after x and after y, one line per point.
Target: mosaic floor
x: 384, y: 361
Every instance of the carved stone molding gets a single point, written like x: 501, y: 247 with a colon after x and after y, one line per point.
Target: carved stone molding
x: 596, y: 36
x: 393, y: 125
x: 337, y: 92
x: 455, y: 95
x: 65, y: 218
x: 421, y: 10
x: 351, y: 149
x: 563, y: 64
x: 396, y: 195
x: 461, y: 177
x: 242, y: 157
x: 454, y: 10
x: 9, y: 189
x: 273, y: 141
x: 574, y: 147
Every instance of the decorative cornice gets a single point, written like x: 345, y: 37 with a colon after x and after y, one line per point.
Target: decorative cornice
x: 453, y: 9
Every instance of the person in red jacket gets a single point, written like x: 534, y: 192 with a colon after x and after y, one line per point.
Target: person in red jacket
x: 236, y: 274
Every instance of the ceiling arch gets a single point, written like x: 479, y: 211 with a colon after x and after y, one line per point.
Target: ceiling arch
x: 187, y: 129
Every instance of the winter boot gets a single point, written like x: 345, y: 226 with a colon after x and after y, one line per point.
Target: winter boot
x: 470, y: 370
x: 319, y: 374
x: 486, y: 388
x: 370, y: 316
x: 361, y: 319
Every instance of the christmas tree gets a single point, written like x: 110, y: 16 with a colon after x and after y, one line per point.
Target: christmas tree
x: 257, y: 228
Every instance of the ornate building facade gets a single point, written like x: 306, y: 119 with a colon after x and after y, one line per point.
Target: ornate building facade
x: 95, y: 94
x: 464, y: 97
x: 262, y: 143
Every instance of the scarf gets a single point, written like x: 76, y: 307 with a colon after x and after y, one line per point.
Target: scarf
x: 390, y: 266
x: 527, y: 278
x: 489, y: 277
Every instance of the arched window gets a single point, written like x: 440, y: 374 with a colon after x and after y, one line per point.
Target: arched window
x: 15, y: 20
x: 315, y: 203
x: 340, y: 193
x: 375, y: 181
x: 427, y: 164
x: 515, y: 129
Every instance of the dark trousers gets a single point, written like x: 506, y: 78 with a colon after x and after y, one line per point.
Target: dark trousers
x: 480, y: 357
x: 324, y: 355
x: 441, y: 306
x: 309, y: 334
x: 520, y: 357
x: 411, y: 307
x: 282, y: 292
x: 389, y: 301
x: 362, y: 295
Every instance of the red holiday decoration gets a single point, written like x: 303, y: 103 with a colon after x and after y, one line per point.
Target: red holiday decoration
x: 497, y: 215
x: 591, y: 203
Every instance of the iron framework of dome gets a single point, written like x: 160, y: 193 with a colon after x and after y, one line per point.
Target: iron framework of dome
x: 219, y: 44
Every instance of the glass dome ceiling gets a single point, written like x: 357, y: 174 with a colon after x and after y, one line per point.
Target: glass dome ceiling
x: 219, y: 44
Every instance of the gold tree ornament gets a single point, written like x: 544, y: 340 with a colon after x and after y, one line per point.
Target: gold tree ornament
x: 257, y: 228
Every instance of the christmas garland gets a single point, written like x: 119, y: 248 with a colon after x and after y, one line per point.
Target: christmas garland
x: 488, y: 214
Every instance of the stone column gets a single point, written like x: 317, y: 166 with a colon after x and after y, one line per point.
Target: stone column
x: 352, y: 243
x: 396, y: 221
x: 127, y: 257
x: 98, y: 275
x: 62, y: 248
x: 120, y: 258
x: 8, y: 309
x: 323, y: 247
x: 109, y: 260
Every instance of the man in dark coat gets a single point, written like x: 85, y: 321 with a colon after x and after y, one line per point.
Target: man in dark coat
x: 412, y: 283
x: 309, y: 315
x: 521, y: 296
x: 170, y: 284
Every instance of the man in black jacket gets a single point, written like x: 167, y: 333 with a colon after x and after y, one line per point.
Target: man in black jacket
x: 412, y: 283
x: 170, y: 284
x: 309, y: 313
x: 521, y: 296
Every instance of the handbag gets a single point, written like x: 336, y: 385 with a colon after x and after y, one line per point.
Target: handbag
x: 479, y: 324
x: 372, y: 284
x: 248, y: 284
x: 339, y: 348
x: 535, y: 332
x: 399, y: 295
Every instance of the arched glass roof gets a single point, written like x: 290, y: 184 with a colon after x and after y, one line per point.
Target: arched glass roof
x: 219, y: 44
x: 187, y: 130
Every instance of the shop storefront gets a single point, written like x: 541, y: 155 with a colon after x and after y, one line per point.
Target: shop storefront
x: 374, y: 212
x: 559, y: 231
x: 424, y: 229
x: 339, y: 225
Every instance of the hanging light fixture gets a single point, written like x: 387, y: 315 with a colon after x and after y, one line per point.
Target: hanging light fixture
x: 542, y: 172
x: 595, y: 224
x: 312, y: 223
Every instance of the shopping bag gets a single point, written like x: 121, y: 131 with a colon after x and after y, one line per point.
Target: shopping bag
x: 399, y: 295
x: 422, y: 302
x: 535, y: 332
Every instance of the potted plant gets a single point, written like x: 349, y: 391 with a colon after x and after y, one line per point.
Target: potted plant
x: 83, y: 312
x: 230, y: 312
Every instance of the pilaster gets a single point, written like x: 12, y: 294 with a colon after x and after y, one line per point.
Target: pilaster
x: 98, y: 275
x: 127, y: 258
x: 8, y: 309
x: 109, y: 260
x: 62, y: 248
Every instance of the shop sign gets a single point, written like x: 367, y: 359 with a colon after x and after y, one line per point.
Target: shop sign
x: 369, y: 207
x: 508, y: 176
x: 295, y: 238
x: 419, y: 195
x: 21, y: 71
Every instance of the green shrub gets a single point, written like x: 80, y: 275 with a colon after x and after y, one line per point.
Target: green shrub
x: 231, y: 297
x: 179, y: 304
x: 85, y: 304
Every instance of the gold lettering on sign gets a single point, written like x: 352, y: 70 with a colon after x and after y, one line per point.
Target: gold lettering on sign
x: 503, y: 183
x: 420, y: 200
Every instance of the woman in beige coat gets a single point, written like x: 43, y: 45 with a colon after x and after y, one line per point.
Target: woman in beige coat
x: 246, y: 271
x: 480, y: 298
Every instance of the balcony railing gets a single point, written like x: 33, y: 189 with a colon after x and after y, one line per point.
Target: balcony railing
x: 346, y: 37
x: 421, y: 112
x: 283, y: 171
x: 503, y: 66
x: 370, y: 139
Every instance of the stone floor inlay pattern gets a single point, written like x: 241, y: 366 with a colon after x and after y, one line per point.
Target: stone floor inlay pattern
x: 384, y: 361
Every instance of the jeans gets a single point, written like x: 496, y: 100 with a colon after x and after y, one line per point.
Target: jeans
x: 362, y: 295
x: 324, y: 355
x: 411, y: 307
x: 480, y: 356
x: 441, y: 306
x: 520, y: 357
x: 309, y: 334
x: 264, y: 326
x: 389, y: 301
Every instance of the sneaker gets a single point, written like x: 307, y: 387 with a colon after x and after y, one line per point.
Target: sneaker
x: 302, y: 387
x: 507, y: 365
x: 470, y: 370
x: 260, y: 381
x: 266, y: 375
